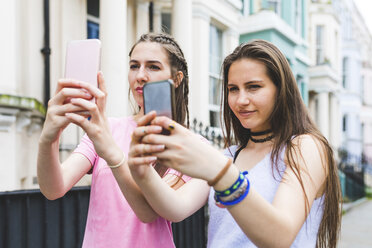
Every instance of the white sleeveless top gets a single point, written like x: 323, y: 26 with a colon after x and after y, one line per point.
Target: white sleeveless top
x: 224, y: 232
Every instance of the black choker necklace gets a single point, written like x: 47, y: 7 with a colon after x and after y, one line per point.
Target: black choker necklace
x: 262, y: 140
x: 259, y: 134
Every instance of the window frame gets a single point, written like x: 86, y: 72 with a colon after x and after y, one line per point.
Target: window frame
x: 215, y: 76
x: 276, y: 4
x: 319, y: 45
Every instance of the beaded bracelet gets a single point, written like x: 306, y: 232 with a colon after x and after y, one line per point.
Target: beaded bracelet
x: 240, y: 191
x: 233, y: 187
x: 237, y: 196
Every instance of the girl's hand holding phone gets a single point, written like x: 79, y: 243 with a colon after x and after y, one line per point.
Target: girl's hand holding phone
x: 96, y: 127
x: 59, y: 105
x: 141, y: 166
x: 183, y: 150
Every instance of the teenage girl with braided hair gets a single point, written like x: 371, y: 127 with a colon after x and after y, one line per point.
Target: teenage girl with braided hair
x: 119, y: 215
x: 291, y: 196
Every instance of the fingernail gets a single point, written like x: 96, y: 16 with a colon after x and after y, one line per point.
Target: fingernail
x: 152, y: 159
x: 160, y: 147
x: 157, y: 128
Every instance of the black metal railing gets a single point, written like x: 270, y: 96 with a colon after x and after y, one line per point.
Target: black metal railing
x: 354, y: 167
x: 29, y: 220
x: 213, y: 134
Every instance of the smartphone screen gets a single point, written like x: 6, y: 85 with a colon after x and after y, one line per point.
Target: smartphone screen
x: 83, y: 60
x: 159, y: 96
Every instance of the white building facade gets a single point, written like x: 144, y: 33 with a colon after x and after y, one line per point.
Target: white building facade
x: 328, y: 48
x: 351, y: 101
x: 325, y: 70
x: 197, y: 25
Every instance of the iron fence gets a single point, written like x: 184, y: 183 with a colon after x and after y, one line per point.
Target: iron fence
x: 213, y: 134
x: 29, y: 220
x: 354, y: 167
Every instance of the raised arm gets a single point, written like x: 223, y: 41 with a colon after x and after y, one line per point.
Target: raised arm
x: 266, y: 224
x: 54, y: 178
x: 170, y: 196
x: 98, y: 130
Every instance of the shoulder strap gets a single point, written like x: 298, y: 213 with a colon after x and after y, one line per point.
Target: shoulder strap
x: 238, y: 151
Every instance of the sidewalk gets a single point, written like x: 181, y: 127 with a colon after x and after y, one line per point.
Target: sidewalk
x: 356, y: 227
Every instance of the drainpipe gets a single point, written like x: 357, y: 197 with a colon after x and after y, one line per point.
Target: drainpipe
x: 151, y: 16
x: 46, y: 52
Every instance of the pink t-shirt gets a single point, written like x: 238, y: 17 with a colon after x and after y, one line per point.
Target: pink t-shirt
x: 111, y: 222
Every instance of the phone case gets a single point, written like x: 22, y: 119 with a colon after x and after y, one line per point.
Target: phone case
x: 83, y: 60
x: 159, y: 96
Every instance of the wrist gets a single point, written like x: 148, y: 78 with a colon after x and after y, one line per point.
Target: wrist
x: 114, y: 156
x: 227, y: 179
x: 47, y: 141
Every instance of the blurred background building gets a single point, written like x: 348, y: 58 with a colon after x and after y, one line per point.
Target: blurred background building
x: 326, y: 43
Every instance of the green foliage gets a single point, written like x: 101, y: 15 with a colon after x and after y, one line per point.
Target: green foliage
x: 369, y: 193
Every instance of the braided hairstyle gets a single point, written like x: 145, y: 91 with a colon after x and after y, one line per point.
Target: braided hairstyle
x: 177, y: 63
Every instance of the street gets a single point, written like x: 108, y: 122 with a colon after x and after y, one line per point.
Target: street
x: 356, y: 227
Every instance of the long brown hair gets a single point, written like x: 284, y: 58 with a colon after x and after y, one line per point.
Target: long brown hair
x: 289, y: 119
x: 177, y: 63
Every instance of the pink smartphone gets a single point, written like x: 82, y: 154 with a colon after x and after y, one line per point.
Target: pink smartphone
x: 83, y: 60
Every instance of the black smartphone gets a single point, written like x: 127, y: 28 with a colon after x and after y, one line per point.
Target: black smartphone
x: 159, y: 96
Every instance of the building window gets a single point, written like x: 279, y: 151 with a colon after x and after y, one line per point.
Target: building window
x: 317, y: 111
x: 92, y: 29
x: 93, y: 19
x: 362, y: 87
x: 344, y: 72
x: 166, y: 22
x: 274, y: 5
x: 215, y: 61
x: 344, y: 123
x: 319, y: 44
x: 298, y: 17
x: 302, y: 87
x: 245, y: 9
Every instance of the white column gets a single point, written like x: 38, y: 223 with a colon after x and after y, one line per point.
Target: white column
x: 8, y: 148
x: 335, y: 122
x: 157, y: 18
x: 8, y: 47
x: 142, y: 17
x: 131, y: 24
x: 199, y: 82
x: 113, y: 34
x: 30, y: 65
x: 181, y: 25
x: 323, y: 113
x: 30, y: 83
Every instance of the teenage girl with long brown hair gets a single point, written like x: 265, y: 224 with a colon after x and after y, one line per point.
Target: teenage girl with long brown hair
x: 278, y: 185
